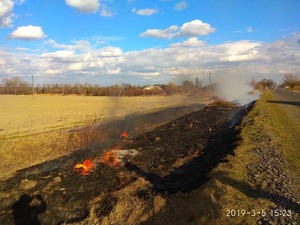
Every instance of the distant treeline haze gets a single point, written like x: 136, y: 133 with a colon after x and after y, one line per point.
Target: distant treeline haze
x: 17, y: 86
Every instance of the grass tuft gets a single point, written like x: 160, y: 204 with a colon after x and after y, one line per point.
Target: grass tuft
x: 223, y: 103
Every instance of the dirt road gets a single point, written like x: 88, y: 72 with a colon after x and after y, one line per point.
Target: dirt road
x: 292, y: 96
x: 276, y: 170
x: 290, y: 101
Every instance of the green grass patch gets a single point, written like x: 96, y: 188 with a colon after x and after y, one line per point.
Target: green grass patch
x: 284, y: 132
x: 266, y: 125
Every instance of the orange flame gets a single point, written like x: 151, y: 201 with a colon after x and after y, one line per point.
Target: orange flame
x: 84, y: 168
x: 110, y: 158
x: 124, y: 135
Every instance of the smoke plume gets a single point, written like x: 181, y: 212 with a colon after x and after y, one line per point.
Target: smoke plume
x: 236, y: 90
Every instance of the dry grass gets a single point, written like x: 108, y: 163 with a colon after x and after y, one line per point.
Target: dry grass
x: 282, y: 123
x: 228, y: 188
x: 20, y: 115
x: 222, y: 103
x: 34, y: 131
x: 125, y: 206
x: 267, y: 125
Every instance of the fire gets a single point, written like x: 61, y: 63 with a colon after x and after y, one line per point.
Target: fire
x: 84, y: 168
x: 124, y: 135
x: 110, y: 158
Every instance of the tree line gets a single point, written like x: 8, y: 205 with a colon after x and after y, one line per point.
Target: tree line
x: 290, y: 81
x: 17, y: 86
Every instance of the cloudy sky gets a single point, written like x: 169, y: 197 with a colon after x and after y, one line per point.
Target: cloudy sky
x: 148, y: 41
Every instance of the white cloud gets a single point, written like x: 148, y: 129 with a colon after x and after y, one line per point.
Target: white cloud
x: 181, y: 6
x: 191, y: 57
x: 114, y: 71
x: 239, y: 47
x: 283, y: 71
x: 6, y: 13
x: 110, y: 51
x: 105, y: 11
x: 179, y: 71
x: 144, y: 12
x: 242, y: 51
x: 20, y: 2
x: 191, y: 42
x: 194, y: 28
x: 157, y: 33
x: 27, y: 33
x: 53, y: 71
x: 79, y: 66
x: 60, y: 54
x: 85, y: 60
x: 77, y: 45
x: 249, y: 29
x: 84, y: 6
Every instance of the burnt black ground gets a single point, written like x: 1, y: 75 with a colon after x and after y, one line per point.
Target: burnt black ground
x: 203, y: 137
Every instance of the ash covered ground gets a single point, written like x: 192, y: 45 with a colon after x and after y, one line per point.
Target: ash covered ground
x: 176, y: 156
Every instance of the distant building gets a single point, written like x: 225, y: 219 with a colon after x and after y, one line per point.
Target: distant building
x: 153, y: 90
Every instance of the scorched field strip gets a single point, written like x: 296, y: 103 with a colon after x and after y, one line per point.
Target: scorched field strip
x: 34, y: 131
x: 174, y: 157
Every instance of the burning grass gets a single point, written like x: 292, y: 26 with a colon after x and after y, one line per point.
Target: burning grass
x: 85, y: 167
x: 34, y: 131
x: 190, y: 171
x: 138, y: 203
x: 222, y: 103
x: 227, y: 189
x: 109, y: 158
x: 134, y: 192
x: 113, y: 157
x: 124, y: 135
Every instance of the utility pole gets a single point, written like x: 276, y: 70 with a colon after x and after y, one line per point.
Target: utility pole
x: 32, y: 87
x: 210, y: 81
x: 122, y: 89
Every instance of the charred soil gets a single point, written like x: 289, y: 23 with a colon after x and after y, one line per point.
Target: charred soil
x: 174, y: 157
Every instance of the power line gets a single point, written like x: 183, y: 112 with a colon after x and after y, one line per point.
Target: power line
x: 32, y: 87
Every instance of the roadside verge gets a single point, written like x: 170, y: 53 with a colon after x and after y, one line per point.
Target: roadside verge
x: 260, y: 183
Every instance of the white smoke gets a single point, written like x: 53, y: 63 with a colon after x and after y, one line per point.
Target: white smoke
x: 234, y: 89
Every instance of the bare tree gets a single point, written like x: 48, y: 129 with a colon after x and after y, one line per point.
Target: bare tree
x: 268, y: 83
x: 253, y: 83
x: 197, y: 82
x: 291, y: 80
x: 14, y: 82
x: 187, y: 84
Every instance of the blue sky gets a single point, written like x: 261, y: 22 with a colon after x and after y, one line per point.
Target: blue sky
x: 147, y: 42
